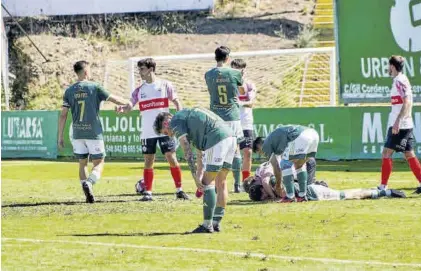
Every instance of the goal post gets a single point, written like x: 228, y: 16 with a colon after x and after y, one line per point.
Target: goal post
x: 284, y: 78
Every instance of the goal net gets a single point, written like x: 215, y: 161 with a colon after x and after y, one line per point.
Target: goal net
x: 284, y: 78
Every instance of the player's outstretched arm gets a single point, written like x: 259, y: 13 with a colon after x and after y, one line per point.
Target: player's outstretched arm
x: 61, y: 124
x: 188, y: 155
x: 117, y: 100
x: 177, y: 104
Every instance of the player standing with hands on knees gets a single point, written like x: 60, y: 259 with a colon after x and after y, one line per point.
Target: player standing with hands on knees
x: 210, y: 135
x: 400, y: 135
x: 83, y: 99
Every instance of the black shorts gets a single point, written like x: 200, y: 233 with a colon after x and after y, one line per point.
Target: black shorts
x: 401, y: 142
x: 248, y: 139
x: 166, y: 144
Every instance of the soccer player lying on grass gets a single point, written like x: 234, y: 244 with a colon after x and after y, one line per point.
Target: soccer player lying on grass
x: 83, y: 99
x: 209, y: 134
x: 262, y: 187
x: 296, y: 144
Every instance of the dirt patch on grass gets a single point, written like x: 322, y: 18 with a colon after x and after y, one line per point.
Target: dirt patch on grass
x: 40, y: 85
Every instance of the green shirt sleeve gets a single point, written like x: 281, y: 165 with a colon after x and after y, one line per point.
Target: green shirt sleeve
x: 102, y: 93
x: 238, y: 77
x: 179, y: 126
x: 267, y: 148
x: 66, y: 101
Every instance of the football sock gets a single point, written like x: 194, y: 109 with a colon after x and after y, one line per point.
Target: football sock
x: 148, y: 178
x: 176, y: 175
x: 386, y: 170
x: 82, y: 181
x: 384, y: 193
x: 236, y: 169
x: 218, y: 214
x: 302, y: 181
x: 94, y: 176
x: 414, y: 164
x: 288, y: 181
x: 246, y: 174
x: 209, y: 203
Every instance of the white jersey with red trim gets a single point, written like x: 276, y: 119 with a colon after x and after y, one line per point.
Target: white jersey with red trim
x: 247, y: 98
x: 401, y: 88
x: 152, y: 99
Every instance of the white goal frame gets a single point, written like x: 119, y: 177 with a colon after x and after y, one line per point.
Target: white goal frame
x: 328, y: 50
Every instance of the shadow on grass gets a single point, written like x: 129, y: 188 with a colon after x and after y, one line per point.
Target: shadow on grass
x: 138, y: 195
x: 58, y: 203
x: 144, y: 234
x: 247, y: 202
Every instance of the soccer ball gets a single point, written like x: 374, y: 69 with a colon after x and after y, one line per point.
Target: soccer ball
x: 140, y: 187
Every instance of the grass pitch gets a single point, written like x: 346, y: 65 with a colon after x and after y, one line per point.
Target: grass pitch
x: 47, y: 226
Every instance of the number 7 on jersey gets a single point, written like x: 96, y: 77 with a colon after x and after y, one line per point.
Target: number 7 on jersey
x: 82, y: 110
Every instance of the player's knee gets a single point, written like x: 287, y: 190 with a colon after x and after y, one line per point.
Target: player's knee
x: 247, y: 153
x: 387, y: 153
x: 286, y: 164
x: 409, y: 154
x: 83, y: 162
x: 149, y: 160
x: 299, y: 163
x: 171, y: 158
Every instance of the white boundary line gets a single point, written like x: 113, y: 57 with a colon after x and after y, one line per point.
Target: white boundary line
x: 215, y: 251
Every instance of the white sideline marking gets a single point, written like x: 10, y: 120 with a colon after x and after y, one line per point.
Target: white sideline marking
x: 216, y: 251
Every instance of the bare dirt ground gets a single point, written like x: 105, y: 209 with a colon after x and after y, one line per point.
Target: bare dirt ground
x: 242, y: 28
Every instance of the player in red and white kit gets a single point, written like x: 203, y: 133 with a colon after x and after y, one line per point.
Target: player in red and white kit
x: 153, y: 97
x: 400, y: 136
x: 247, y: 95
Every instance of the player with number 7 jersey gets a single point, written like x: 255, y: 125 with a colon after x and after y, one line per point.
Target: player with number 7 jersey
x: 83, y: 99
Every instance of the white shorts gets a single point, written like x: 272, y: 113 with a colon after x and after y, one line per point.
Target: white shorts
x: 320, y: 192
x: 305, y: 145
x: 82, y: 148
x: 220, y: 156
x: 235, y: 126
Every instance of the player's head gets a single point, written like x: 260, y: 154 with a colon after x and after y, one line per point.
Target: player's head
x: 256, y: 192
x: 222, y: 54
x: 395, y: 65
x: 258, y: 144
x: 81, y: 68
x: 162, y: 124
x: 239, y: 64
x: 146, y: 67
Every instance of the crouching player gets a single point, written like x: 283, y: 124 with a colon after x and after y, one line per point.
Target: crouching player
x: 296, y: 144
x: 262, y: 187
x: 209, y: 134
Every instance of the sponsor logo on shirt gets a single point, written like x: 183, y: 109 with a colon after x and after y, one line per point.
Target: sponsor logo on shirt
x: 396, y: 100
x: 153, y: 104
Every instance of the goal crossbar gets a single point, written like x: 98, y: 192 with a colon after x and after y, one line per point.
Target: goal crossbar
x: 310, y: 70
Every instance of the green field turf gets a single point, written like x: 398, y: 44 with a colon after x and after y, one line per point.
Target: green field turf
x: 47, y: 226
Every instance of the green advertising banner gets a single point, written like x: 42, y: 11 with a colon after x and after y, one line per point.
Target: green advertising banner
x: 369, y: 131
x: 345, y: 132
x: 121, y: 134
x: 29, y: 134
x: 331, y: 123
x: 369, y: 32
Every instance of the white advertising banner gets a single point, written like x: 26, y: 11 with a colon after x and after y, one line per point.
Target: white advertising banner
x: 81, y: 7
